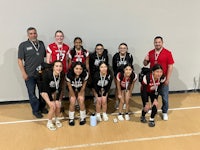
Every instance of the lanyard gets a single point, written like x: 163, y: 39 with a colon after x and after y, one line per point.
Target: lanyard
x: 76, y: 83
x: 126, y: 84
x: 56, y: 82
x: 102, y: 59
x: 102, y: 80
x: 122, y: 59
x: 60, y: 48
x: 36, y: 48
x: 78, y: 54
x: 156, y: 86
x: 157, y: 55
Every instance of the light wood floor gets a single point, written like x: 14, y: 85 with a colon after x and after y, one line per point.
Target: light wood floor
x: 180, y: 132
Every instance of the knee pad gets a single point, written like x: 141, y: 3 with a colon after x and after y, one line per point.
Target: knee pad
x: 154, y: 109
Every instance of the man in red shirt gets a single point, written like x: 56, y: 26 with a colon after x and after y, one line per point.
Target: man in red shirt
x: 162, y: 56
x: 58, y: 50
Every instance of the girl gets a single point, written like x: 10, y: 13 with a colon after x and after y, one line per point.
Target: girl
x: 96, y: 57
x: 76, y: 81
x: 58, y: 50
x: 78, y: 53
x: 101, y: 82
x: 150, y: 87
x: 125, y: 85
x: 119, y: 60
x: 51, y: 92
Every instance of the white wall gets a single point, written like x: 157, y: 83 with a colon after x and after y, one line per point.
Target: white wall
x: 109, y: 22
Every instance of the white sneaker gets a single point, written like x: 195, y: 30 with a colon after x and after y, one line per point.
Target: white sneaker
x: 99, y: 118
x: 51, y: 126
x: 105, y: 117
x: 58, y: 123
x: 165, y: 116
x: 120, y: 117
x: 124, y: 106
x: 127, y: 117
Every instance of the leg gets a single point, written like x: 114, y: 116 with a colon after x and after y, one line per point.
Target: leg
x: 120, y: 115
x: 31, y: 85
x: 52, y: 108
x: 116, y: 95
x: 98, y: 108
x: 81, y: 100
x: 127, y: 99
x: 165, y: 104
x: 144, y: 97
x: 57, y: 113
x: 104, y: 108
x: 71, y: 111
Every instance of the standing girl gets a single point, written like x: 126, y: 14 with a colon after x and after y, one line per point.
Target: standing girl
x: 58, y: 50
x: 150, y: 87
x: 119, y: 60
x: 76, y: 82
x: 125, y: 85
x: 101, y: 82
x: 51, y: 92
x: 78, y: 53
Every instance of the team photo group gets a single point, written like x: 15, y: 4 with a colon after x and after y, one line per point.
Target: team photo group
x: 58, y: 67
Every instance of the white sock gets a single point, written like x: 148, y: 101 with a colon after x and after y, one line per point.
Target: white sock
x: 104, y: 113
x: 151, y: 119
x: 71, y: 114
x: 49, y: 121
x: 82, y: 114
x: 98, y: 114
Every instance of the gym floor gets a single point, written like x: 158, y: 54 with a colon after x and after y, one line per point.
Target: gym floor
x: 20, y: 130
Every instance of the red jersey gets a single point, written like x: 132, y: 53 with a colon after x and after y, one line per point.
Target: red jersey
x: 125, y: 83
x: 152, y: 85
x: 164, y: 58
x: 80, y: 56
x: 58, y: 53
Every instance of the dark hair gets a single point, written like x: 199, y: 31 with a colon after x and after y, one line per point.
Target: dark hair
x: 77, y: 38
x: 74, y: 64
x: 158, y: 37
x: 56, y: 62
x: 123, y: 44
x: 156, y: 67
x: 99, y: 44
x: 31, y: 28
x: 59, y: 31
x: 130, y: 65
x: 101, y: 63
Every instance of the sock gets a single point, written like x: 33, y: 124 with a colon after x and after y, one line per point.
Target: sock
x: 154, y: 111
x: 151, y: 119
x: 82, y: 114
x: 71, y: 114
x: 49, y: 121
x: 98, y: 114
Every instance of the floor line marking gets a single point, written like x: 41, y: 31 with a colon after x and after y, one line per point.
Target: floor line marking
x: 124, y: 141
x: 112, y: 114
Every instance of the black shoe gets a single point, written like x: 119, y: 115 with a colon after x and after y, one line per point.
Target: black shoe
x: 38, y: 115
x: 71, y: 122
x: 44, y: 111
x: 82, y: 121
x: 143, y: 119
x: 151, y: 124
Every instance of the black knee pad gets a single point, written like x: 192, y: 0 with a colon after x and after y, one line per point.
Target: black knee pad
x: 154, y: 109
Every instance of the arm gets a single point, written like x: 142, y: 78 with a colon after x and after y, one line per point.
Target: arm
x: 146, y: 60
x: 119, y: 91
x: 48, y: 58
x: 87, y: 64
x: 21, y: 67
x: 169, y: 72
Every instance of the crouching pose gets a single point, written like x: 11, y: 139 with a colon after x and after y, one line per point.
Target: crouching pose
x: 151, y: 84
x: 76, y: 82
x: 101, y: 82
x: 52, y: 85
x: 125, y: 84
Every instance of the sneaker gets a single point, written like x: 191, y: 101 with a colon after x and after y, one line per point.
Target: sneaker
x: 58, y: 123
x: 71, y: 122
x: 51, y: 126
x: 165, y: 116
x: 124, y: 106
x: 143, y: 119
x: 127, y: 117
x: 151, y: 124
x: 105, y: 117
x: 44, y: 111
x: 120, y: 117
x: 99, y: 118
x: 82, y: 122
x: 38, y: 115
